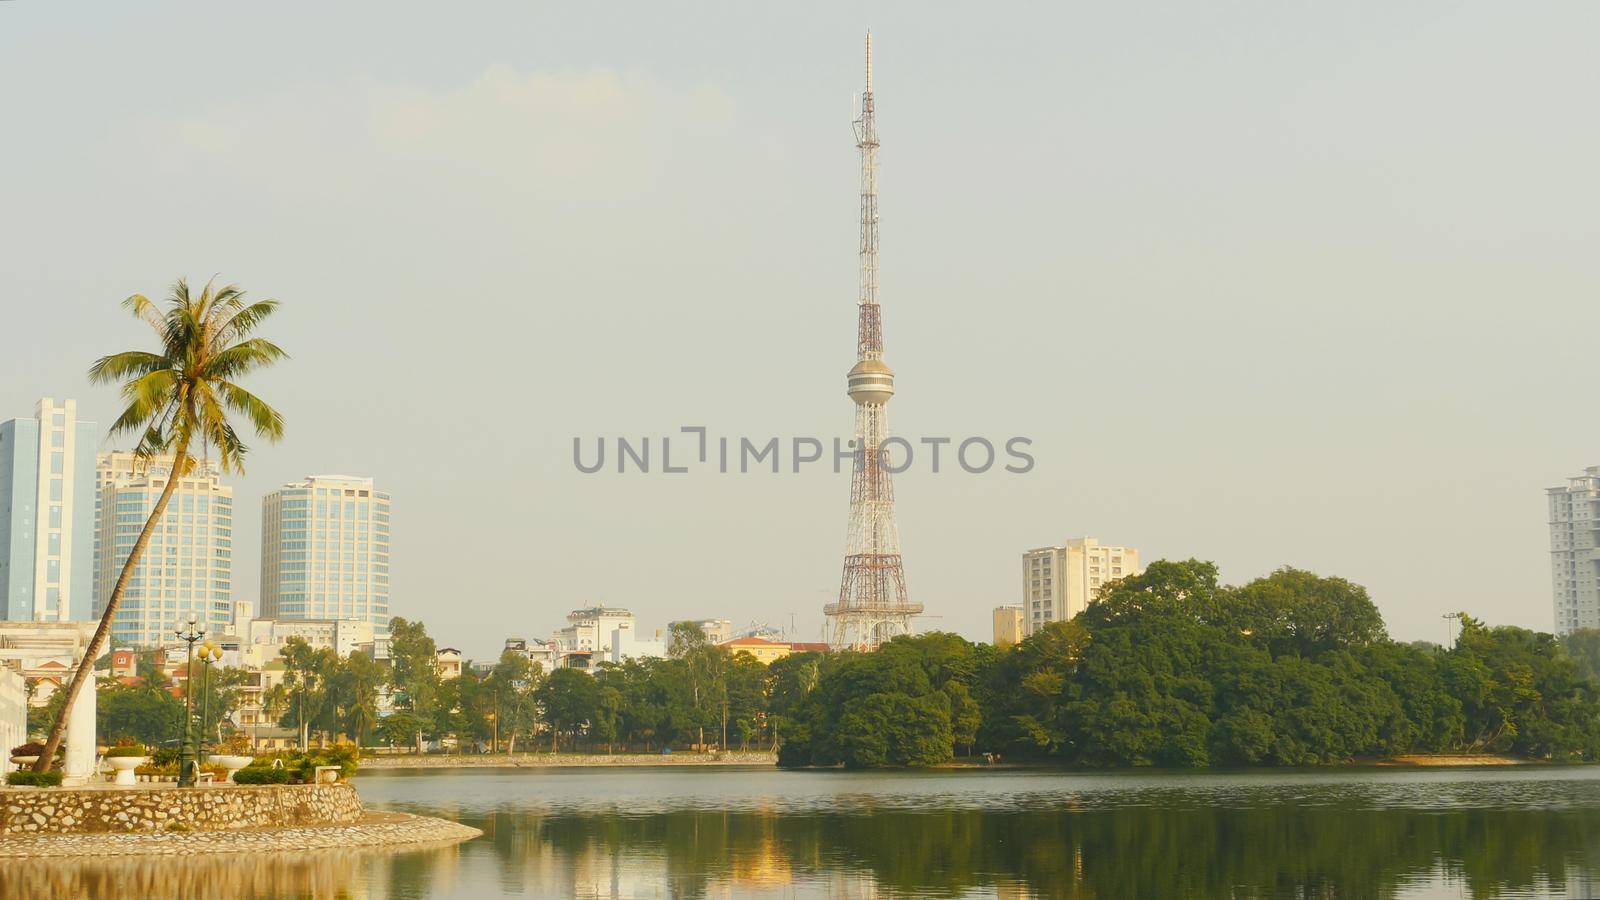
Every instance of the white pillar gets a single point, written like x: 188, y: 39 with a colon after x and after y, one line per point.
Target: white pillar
x: 82, y: 742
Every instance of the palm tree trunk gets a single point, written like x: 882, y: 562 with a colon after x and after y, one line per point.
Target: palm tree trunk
x: 92, y: 652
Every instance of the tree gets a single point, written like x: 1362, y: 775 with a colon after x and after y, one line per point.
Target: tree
x: 418, y: 687
x: 355, y: 695
x: 308, y: 675
x: 515, y: 679
x: 180, y: 396
x: 142, y: 712
x: 569, y: 699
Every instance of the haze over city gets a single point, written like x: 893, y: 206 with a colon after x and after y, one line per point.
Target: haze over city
x: 1263, y: 285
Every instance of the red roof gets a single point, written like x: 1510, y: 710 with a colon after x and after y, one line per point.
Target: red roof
x: 800, y: 647
x: 751, y: 642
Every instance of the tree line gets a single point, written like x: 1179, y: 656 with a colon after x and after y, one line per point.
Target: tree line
x: 1167, y: 668
x: 1171, y: 668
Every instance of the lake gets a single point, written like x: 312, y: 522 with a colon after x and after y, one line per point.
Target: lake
x: 734, y: 832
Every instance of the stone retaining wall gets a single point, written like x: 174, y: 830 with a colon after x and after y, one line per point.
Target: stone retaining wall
x: 205, y: 808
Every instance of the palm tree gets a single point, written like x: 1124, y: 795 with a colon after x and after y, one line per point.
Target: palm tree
x: 179, y: 398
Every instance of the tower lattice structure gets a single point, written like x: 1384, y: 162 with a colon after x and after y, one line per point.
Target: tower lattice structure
x: 873, y: 605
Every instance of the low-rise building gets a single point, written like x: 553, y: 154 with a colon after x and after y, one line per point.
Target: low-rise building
x: 124, y: 663
x: 449, y: 663
x: 590, y: 629
x: 765, y: 652
x: 716, y: 630
x: 626, y: 644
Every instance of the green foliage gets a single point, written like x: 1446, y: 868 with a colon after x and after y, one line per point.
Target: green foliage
x: 1170, y: 668
x: 135, y: 751
x: 903, y: 705
x: 51, y: 778
x: 261, y: 775
x: 142, y: 712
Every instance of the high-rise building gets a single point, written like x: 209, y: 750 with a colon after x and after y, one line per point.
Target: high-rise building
x: 1060, y: 582
x: 47, y: 498
x: 1575, y: 551
x: 1009, y: 627
x: 325, y: 551
x: 186, y: 571
x: 873, y: 605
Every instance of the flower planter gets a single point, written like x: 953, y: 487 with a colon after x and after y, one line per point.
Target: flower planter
x: 24, y: 761
x: 231, y: 763
x: 124, y: 766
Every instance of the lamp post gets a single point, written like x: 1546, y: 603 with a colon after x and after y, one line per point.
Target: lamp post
x: 186, y: 760
x: 208, y: 653
x: 1450, y: 628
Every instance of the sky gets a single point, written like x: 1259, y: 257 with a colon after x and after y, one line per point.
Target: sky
x: 1265, y: 284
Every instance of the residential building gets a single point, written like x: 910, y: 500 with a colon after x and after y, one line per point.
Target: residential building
x: 1575, y: 551
x: 186, y: 571
x: 325, y: 551
x: 265, y: 637
x: 541, y: 653
x: 449, y: 663
x: 626, y: 644
x: 717, y: 630
x: 47, y: 523
x: 1060, y: 582
x: 124, y: 663
x: 1009, y: 625
x: 589, y: 630
x: 765, y: 652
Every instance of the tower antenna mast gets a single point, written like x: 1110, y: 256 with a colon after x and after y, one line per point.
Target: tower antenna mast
x: 873, y: 605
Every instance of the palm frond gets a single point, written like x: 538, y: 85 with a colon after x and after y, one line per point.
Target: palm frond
x: 125, y: 364
x: 242, y: 358
x: 267, y: 421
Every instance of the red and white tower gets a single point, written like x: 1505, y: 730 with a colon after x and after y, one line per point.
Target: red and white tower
x: 872, y: 605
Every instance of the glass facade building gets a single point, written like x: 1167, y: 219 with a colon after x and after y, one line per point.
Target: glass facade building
x: 325, y: 551
x: 187, y: 569
x: 47, y: 498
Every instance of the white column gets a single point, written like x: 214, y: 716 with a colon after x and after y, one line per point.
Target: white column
x: 82, y: 742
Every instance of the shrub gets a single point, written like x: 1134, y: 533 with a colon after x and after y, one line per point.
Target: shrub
x: 152, y: 768
x: 261, y: 775
x: 162, y: 756
x: 237, y: 744
x: 31, y: 748
x: 51, y: 778
x: 129, y: 749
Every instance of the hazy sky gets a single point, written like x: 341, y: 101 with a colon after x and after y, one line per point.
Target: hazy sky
x: 1266, y: 283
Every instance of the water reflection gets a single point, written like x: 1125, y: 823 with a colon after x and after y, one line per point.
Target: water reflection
x: 694, y: 833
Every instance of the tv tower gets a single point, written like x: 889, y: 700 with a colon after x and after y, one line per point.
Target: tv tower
x: 872, y: 605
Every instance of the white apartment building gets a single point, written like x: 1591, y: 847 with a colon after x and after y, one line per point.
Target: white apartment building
x: 47, y: 523
x: 1060, y: 582
x: 1575, y: 551
x: 186, y: 570
x: 325, y: 551
x: 263, y: 639
x: 626, y: 644
x: 590, y: 630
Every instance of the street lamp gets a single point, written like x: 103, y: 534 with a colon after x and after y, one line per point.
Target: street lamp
x: 208, y: 653
x: 186, y: 758
x: 1450, y: 628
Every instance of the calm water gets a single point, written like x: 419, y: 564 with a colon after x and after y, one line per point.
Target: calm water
x: 683, y: 832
